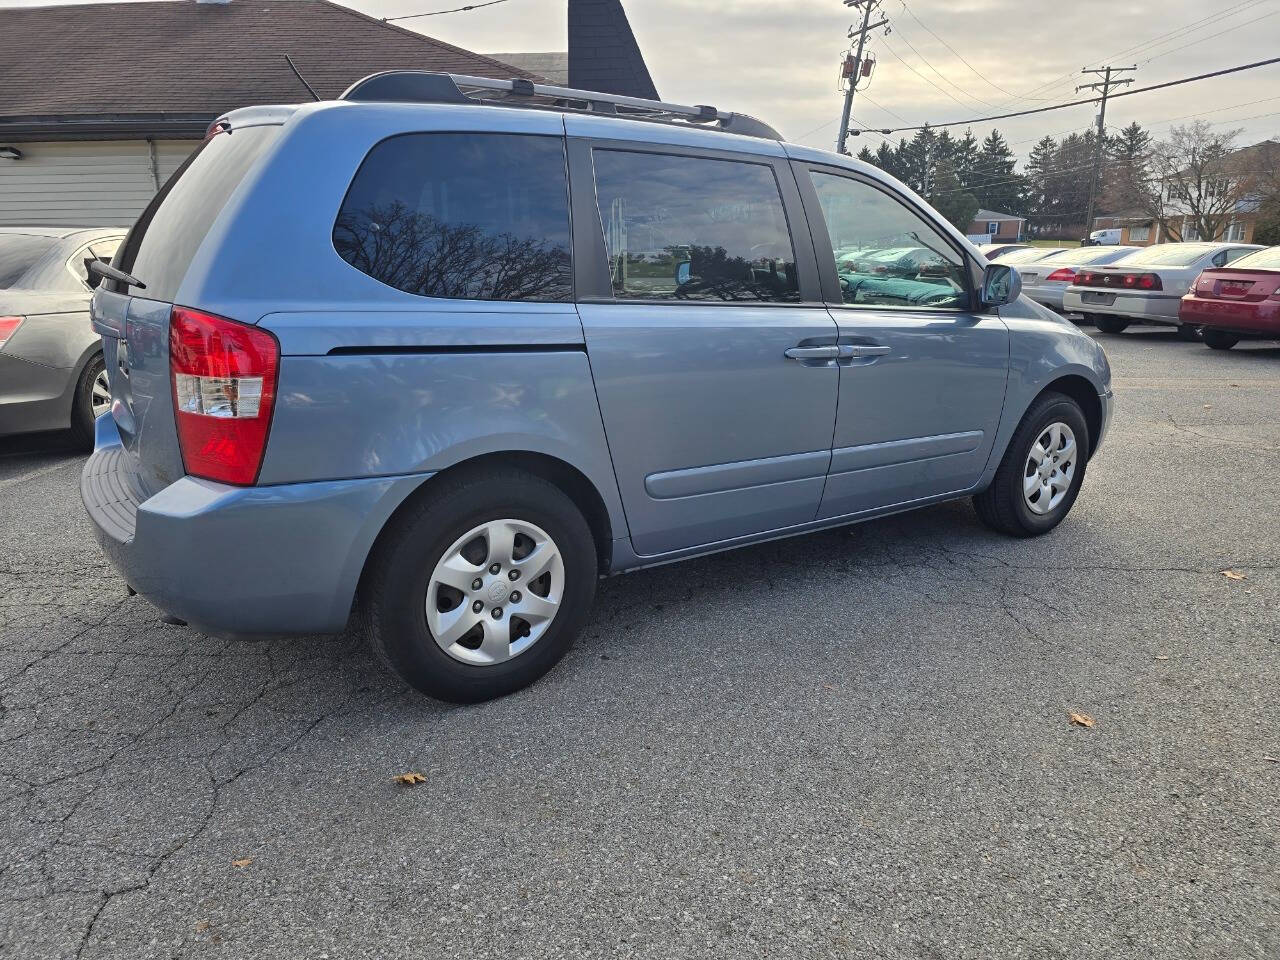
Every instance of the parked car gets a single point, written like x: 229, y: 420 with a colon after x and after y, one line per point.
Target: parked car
x: 993, y: 250
x: 1045, y: 281
x: 51, y: 370
x: 1025, y: 255
x: 1105, y: 237
x: 361, y: 351
x: 1147, y: 286
x: 1238, y: 302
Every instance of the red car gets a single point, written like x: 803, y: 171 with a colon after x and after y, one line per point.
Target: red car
x: 1238, y: 302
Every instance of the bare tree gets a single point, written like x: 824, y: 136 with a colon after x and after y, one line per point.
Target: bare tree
x: 1197, y: 181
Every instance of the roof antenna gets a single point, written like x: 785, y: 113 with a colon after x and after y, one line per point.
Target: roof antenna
x: 298, y: 73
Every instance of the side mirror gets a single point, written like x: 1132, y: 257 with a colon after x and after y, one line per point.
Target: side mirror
x: 1001, y: 284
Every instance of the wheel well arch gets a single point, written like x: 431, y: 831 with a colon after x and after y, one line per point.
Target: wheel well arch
x: 1083, y: 392
x: 572, y: 481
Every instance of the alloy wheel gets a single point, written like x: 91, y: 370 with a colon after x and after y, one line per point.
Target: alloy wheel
x: 100, y: 394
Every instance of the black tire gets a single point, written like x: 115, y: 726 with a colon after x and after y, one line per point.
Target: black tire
x: 393, y: 590
x: 1188, y: 333
x: 1002, y: 506
x: 82, y: 430
x: 1219, y: 339
x: 1110, y: 324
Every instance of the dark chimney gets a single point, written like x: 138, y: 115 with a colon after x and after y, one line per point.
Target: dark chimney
x: 603, y: 53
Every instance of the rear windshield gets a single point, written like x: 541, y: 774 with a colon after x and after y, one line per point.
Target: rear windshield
x: 18, y: 254
x: 162, y: 244
x: 1268, y: 259
x: 1169, y: 254
x: 1087, y: 255
x: 1028, y: 255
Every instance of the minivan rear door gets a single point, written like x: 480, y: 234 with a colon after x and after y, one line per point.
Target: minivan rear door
x: 134, y: 321
x: 714, y: 363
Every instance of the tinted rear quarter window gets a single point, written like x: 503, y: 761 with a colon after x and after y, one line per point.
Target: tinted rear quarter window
x: 162, y: 244
x: 471, y: 216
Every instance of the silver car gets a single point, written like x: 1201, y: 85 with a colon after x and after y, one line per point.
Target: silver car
x: 1148, y: 286
x: 51, y: 370
x: 1047, y: 279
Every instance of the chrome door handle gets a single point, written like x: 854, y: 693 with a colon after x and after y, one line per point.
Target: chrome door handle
x: 812, y: 353
x: 864, y: 350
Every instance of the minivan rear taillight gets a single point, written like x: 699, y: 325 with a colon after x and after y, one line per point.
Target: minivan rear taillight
x: 8, y: 326
x: 224, y: 389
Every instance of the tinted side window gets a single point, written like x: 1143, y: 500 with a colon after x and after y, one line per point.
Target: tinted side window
x: 690, y: 228
x: 886, y: 254
x: 162, y: 244
x: 473, y: 216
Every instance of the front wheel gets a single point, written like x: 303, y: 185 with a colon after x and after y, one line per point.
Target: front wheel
x: 1041, y: 472
x: 1188, y: 333
x: 1109, y: 324
x: 480, y: 587
x: 1219, y: 339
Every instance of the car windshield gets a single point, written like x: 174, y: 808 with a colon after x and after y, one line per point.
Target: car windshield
x: 19, y: 252
x: 1086, y: 255
x: 1268, y: 259
x: 1027, y: 255
x: 1169, y: 255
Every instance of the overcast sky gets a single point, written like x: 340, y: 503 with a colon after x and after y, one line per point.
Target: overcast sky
x: 778, y: 60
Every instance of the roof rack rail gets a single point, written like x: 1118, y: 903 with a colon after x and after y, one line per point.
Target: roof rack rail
x: 420, y: 86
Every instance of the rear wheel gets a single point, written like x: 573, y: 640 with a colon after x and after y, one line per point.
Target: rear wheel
x: 481, y: 586
x: 1188, y: 333
x: 1109, y: 324
x: 1219, y: 339
x: 1041, y: 472
x: 92, y: 400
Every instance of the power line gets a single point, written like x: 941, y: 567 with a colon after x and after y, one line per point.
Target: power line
x: 436, y: 13
x: 941, y: 90
x: 1077, y: 103
x: 1199, y: 40
x: 937, y: 72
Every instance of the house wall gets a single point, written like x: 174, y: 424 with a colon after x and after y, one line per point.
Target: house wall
x: 96, y: 183
x: 1009, y: 231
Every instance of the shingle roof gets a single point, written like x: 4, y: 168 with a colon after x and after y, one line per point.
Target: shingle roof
x: 553, y: 66
x: 201, y: 59
x: 993, y: 215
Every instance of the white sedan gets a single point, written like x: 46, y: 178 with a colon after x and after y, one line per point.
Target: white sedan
x: 1147, y: 286
x: 1045, y: 281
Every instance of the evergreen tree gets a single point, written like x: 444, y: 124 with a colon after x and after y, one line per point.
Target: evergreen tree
x: 866, y: 156
x: 995, y: 184
x: 1040, y: 167
x: 949, y: 198
x: 1128, y: 169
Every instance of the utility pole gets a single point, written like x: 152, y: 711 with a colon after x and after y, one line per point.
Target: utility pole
x: 1105, y: 86
x: 866, y: 6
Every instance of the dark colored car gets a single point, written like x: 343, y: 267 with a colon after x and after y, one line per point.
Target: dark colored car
x: 1238, y: 302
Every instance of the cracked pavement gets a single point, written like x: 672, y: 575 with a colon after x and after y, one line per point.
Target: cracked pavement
x: 850, y: 744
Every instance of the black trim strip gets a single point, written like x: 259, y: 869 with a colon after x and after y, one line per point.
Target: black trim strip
x: 446, y: 349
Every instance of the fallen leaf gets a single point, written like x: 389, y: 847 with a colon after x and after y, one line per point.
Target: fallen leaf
x: 1160, y: 656
x: 1082, y: 720
x: 828, y: 686
x: 202, y: 926
x: 1272, y: 759
x: 409, y: 779
x: 243, y: 862
x: 1234, y: 575
x: 1208, y: 406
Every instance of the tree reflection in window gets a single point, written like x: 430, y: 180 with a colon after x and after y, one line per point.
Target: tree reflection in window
x: 462, y: 216
x: 694, y: 228
x: 418, y: 253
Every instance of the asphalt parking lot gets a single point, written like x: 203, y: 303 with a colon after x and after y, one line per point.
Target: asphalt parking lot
x: 856, y: 743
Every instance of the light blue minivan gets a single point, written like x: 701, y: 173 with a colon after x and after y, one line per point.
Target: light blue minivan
x: 448, y: 349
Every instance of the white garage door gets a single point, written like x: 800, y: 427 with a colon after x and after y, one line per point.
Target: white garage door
x: 91, y: 184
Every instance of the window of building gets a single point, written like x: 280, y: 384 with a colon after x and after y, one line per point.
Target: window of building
x: 887, y: 254
x: 1139, y: 234
x: 693, y: 228
x: 473, y: 216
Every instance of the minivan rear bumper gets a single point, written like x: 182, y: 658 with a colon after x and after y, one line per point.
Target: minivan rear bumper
x: 240, y: 560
